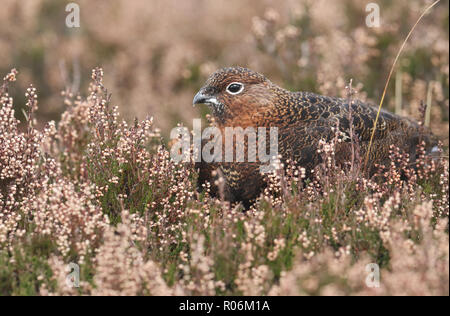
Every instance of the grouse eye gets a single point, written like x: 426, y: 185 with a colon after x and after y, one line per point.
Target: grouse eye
x: 235, y: 88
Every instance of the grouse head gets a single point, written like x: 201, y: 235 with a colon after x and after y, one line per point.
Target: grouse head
x: 237, y: 94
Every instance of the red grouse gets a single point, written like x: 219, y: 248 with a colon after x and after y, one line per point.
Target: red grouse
x: 239, y: 97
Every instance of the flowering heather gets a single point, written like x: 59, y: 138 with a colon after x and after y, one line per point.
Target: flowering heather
x: 104, y: 194
x: 83, y: 183
x: 157, y: 56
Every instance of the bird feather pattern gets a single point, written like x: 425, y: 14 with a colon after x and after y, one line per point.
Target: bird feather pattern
x: 302, y: 119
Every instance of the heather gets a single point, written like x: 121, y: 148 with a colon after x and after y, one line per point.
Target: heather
x: 104, y: 194
x: 83, y: 182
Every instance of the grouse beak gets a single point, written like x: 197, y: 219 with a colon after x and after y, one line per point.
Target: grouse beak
x: 201, y: 98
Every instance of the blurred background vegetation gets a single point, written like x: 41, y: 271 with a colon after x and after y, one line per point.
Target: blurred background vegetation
x: 157, y: 54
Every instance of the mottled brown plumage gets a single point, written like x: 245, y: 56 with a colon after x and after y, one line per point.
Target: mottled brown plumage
x: 302, y: 119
